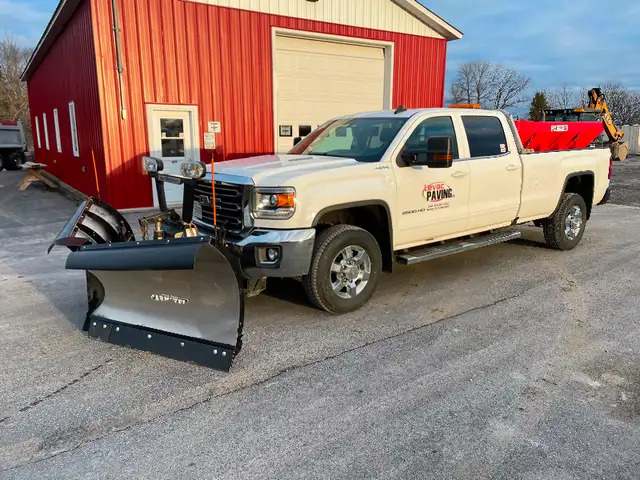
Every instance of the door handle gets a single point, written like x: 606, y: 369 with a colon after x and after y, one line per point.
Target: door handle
x: 512, y: 167
x: 459, y: 174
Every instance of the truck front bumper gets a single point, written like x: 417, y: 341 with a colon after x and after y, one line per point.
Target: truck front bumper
x: 292, y: 249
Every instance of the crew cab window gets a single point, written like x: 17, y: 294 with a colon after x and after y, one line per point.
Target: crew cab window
x: 486, y: 136
x: 436, y: 127
x: 363, y: 139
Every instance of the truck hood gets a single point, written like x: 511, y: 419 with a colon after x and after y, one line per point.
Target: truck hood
x: 273, y: 170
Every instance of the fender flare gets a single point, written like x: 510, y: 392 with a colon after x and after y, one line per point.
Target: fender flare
x: 583, y: 173
x: 363, y: 203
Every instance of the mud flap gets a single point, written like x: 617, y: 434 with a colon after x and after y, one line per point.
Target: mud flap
x: 178, y: 298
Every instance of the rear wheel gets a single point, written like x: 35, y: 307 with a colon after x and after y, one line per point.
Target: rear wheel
x: 345, y: 269
x: 10, y: 162
x: 564, y: 230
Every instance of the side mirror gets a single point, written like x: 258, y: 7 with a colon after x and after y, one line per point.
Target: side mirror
x: 296, y: 141
x: 436, y: 154
x: 439, y: 152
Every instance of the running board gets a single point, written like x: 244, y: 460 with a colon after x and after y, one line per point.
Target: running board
x: 457, y: 246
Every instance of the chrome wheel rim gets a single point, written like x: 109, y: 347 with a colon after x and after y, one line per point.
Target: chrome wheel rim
x: 573, y: 223
x: 350, y: 272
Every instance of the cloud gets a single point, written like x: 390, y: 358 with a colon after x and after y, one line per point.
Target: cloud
x: 554, y: 42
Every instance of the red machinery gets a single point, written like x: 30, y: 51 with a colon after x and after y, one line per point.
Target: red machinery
x: 552, y: 136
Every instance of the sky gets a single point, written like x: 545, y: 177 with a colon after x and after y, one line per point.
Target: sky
x: 555, y: 42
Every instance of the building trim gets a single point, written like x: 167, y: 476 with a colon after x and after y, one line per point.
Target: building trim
x: 335, y: 11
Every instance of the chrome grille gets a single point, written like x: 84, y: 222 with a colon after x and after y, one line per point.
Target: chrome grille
x: 231, y: 201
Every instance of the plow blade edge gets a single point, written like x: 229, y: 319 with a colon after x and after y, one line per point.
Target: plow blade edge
x: 178, y: 298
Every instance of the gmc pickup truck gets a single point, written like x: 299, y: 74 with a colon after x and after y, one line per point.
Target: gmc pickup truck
x: 367, y: 191
x: 357, y: 196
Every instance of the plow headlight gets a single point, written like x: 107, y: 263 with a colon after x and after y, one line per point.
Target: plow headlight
x: 274, y: 203
x: 152, y: 165
x: 194, y: 170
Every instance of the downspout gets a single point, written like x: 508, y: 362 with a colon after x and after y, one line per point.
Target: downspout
x: 119, y: 65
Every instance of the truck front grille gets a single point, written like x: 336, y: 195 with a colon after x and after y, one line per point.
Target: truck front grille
x: 231, y: 202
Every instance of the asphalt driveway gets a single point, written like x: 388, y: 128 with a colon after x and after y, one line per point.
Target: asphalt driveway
x: 509, y: 362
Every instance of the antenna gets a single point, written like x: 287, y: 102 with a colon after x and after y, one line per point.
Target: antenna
x: 400, y: 109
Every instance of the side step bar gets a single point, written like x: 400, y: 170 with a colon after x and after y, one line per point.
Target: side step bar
x: 457, y: 246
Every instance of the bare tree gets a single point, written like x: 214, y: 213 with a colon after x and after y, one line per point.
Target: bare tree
x: 623, y: 103
x: 490, y: 85
x: 473, y: 83
x: 566, y: 97
x: 508, y: 88
x: 14, y: 104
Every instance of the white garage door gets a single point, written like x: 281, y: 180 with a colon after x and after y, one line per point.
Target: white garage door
x: 317, y: 80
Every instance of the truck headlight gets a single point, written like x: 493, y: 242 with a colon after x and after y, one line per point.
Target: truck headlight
x: 152, y: 165
x: 194, y: 170
x: 274, y: 203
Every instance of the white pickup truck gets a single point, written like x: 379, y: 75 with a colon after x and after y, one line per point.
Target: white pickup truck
x: 357, y: 196
x: 366, y: 191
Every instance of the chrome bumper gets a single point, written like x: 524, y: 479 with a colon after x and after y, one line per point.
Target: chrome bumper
x: 295, y: 247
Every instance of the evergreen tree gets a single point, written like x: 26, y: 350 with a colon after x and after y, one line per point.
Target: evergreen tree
x: 538, y: 105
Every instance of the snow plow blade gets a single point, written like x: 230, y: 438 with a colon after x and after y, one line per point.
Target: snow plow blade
x: 178, y: 298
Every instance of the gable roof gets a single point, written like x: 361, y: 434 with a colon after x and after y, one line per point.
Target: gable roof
x: 403, y: 16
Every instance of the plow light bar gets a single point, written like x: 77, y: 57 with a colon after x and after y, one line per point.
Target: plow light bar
x: 194, y: 170
x: 152, y: 165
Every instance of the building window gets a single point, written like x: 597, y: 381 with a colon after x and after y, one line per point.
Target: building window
x: 56, y: 126
x: 46, y: 130
x: 38, y: 132
x: 74, y: 129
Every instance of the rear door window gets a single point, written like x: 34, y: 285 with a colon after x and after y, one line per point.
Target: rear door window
x: 486, y: 136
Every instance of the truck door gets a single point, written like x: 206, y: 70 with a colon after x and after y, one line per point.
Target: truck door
x: 496, y: 172
x: 432, y: 194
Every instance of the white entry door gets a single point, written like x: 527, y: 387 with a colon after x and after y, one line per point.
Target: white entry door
x: 173, y: 137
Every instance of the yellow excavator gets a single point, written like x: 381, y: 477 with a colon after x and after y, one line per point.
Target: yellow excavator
x: 596, y: 109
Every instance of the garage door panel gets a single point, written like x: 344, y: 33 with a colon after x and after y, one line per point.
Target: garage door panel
x: 317, y: 80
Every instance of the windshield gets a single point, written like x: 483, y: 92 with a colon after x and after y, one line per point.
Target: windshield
x: 10, y: 137
x: 364, y: 139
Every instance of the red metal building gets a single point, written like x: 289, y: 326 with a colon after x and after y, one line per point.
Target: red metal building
x: 113, y: 80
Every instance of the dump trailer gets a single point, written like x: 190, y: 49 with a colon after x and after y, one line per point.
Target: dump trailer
x: 356, y: 197
x: 12, y: 145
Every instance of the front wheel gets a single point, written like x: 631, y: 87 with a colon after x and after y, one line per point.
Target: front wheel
x: 345, y: 269
x: 565, y: 228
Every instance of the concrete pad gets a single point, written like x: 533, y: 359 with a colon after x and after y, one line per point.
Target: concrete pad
x: 510, y: 362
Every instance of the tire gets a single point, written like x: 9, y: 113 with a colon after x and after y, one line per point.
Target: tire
x: 10, y: 163
x: 564, y: 230
x: 356, y: 259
